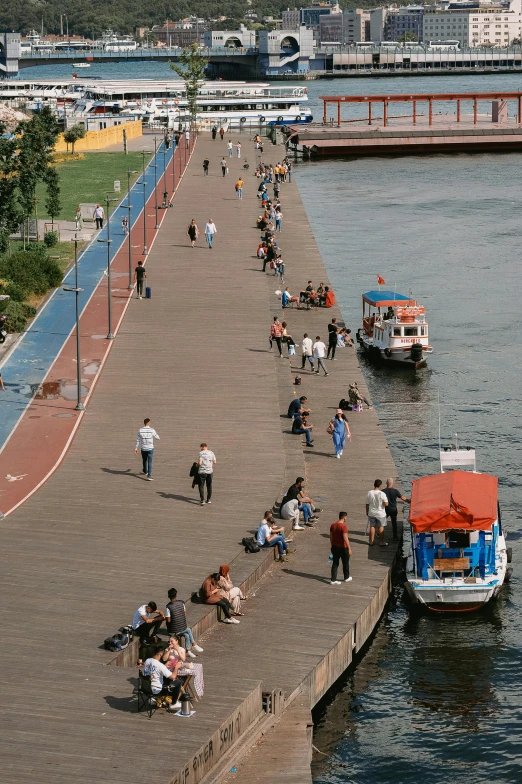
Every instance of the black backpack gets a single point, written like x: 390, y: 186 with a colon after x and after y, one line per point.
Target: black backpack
x: 344, y: 405
x: 250, y: 544
x: 120, y: 641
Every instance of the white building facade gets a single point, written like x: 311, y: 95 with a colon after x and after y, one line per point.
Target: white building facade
x: 485, y: 25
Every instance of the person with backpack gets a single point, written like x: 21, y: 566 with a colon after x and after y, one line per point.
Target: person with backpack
x: 176, y: 617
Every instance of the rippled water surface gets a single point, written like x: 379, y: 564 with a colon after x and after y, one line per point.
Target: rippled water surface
x: 434, y: 699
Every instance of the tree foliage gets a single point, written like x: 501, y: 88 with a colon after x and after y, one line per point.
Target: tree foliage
x: 408, y: 35
x: 72, y: 134
x: 191, y: 68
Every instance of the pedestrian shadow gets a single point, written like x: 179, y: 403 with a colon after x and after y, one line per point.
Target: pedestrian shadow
x: 307, y: 576
x: 175, y: 497
x: 322, y: 454
x: 260, y: 350
x: 125, y: 704
x: 126, y: 472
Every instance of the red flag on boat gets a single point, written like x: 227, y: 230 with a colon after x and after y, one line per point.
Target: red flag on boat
x: 380, y: 280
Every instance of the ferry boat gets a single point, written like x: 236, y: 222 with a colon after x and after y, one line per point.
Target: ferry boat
x: 458, y: 561
x: 394, y: 329
x: 231, y: 104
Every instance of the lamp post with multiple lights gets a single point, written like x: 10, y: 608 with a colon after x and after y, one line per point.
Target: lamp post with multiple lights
x: 79, y: 405
x: 110, y: 333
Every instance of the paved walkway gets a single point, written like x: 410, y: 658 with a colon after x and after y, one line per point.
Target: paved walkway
x: 40, y: 371
x: 97, y: 541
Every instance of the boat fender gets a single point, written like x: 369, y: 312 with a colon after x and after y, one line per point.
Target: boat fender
x: 243, y: 119
x: 387, y: 352
x: 280, y: 118
x: 416, y: 352
x: 298, y: 118
x: 509, y: 554
x: 262, y: 119
x: 509, y: 572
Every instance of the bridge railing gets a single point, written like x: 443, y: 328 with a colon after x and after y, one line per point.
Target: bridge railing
x: 145, y: 53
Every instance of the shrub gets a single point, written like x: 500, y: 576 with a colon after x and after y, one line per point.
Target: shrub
x: 32, y: 270
x: 51, y: 239
x: 17, y: 315
x: 15, y: 291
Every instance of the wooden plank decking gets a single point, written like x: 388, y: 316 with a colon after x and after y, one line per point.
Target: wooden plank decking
x: 97, y: 541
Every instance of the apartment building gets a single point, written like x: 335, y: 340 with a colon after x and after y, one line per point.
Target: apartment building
x: 478, y: 25
x: 348, y: 27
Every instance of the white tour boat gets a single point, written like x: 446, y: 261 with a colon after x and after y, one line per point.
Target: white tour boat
x: 231, y: 104
x: 458, y: 560
x: 394, y: 329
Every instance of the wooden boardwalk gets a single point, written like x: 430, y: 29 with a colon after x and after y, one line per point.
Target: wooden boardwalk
x: 97, y: 541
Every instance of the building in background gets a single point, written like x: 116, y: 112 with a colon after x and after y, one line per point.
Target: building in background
x: 291, y: 18
x: 239, y: 38
x: 406, y: 21
x: 474, y: 24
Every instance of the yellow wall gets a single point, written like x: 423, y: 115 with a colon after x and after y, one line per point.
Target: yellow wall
x: 97, y: 140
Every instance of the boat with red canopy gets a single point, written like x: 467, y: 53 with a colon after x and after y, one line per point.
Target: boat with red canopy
x: 394, y: 329
x: 459, y: 556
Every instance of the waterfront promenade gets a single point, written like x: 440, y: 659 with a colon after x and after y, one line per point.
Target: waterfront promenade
x: 97, y: 541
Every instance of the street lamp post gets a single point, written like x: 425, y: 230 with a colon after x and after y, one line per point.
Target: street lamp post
x: 144, y: 183
x: 110, y: 333
x: 129, y: 207
x: 79, y: 405
x: 165, y: 189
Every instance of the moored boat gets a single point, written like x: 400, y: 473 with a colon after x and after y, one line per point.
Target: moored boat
x: 459, y: 559
x: 394, y: 329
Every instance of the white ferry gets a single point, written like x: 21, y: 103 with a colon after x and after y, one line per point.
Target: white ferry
x: 112, y: 42
x: 232, y: 104
x: 394, y: 329
x: 458, y: 561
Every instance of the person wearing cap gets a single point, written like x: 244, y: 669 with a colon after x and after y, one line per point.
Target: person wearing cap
x: 269, y: 535
x: 339, y: 430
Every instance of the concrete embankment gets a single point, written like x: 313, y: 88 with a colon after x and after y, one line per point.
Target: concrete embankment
x: 96, y: 541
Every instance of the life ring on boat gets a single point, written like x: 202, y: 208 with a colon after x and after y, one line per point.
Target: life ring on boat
x: 280, y: 118
x: 387, y: 352
x: 243, y: 119
x: 298, y: 118
x: 262, y: 119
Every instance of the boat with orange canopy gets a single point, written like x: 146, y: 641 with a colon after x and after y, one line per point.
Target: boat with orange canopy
x: 394, y: 329
x: 459, y: 557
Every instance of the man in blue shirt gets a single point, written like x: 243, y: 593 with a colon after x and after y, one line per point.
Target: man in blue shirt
x: 393, y: 495
x: 296, y: 407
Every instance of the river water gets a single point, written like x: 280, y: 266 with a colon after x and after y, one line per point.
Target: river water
x: 434, y: 699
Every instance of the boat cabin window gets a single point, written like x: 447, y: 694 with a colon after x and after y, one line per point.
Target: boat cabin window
x: 424, y: 330
x: 409, y: 332
x: 397, y: 331
x: 457, y: 539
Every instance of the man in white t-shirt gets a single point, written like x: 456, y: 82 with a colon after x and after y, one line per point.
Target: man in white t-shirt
x: 306, y: 351
x: 376, y: 503
x: 210, y: 231
x: 206, y: 463
x: 319, y: 350
x: 268, y: 535
x: 147, y: 621
x: 157, y: 672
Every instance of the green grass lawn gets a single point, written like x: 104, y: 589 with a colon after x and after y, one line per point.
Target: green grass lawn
x: 90, y: 179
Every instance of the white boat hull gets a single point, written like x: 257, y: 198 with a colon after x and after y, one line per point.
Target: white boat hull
x: 402, y: 356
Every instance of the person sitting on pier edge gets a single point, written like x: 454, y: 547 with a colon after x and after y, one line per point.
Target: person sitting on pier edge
x: 268, y: 535
x: 290, y: 511
x: 147, y: 621
x: 300, y: 427
x: 306, y: 505
x: 393, y: 495
x: 355, y: 397
x: 176, y: 617
x: 157, y: 672
x: 210, y: 593
x: 329, y: 297
x: 297, y: 407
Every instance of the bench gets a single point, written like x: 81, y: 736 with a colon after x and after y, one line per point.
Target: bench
x: 450, y: 564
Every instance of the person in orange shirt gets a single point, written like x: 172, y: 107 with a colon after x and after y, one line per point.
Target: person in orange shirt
x: 239, y: 187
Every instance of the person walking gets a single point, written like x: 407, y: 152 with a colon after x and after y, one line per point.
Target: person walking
x: 206, y: 463
x: 214, y: 132
x: 145, y: 441
x: 125, y: 225
x: 206, y: 164
x: 332, y: 338
x: 393, y: 495
x: 192, y: 232
x: 307, y: 352
x: 98, y: 216
x: 340, y: 549
x: 277, y: 188
x: 139, y: 276
x: 239, y: 187
x: 376, y: 503
x: 319, y: 351
x: 210, y: 231
x: 222, y: 133
x: 339, y: 430
x: 238, y: 149
x: 230, y: 148
x: 278, y: 219
x: 276, y: 334
x: 78, y: 218
x: 224, y: 167
x: 289, y: 169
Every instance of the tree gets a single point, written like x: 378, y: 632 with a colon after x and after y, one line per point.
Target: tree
x: 53, y: 204
x: 191, y: 68
x: 72, y: 134
x: 409, y: 35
